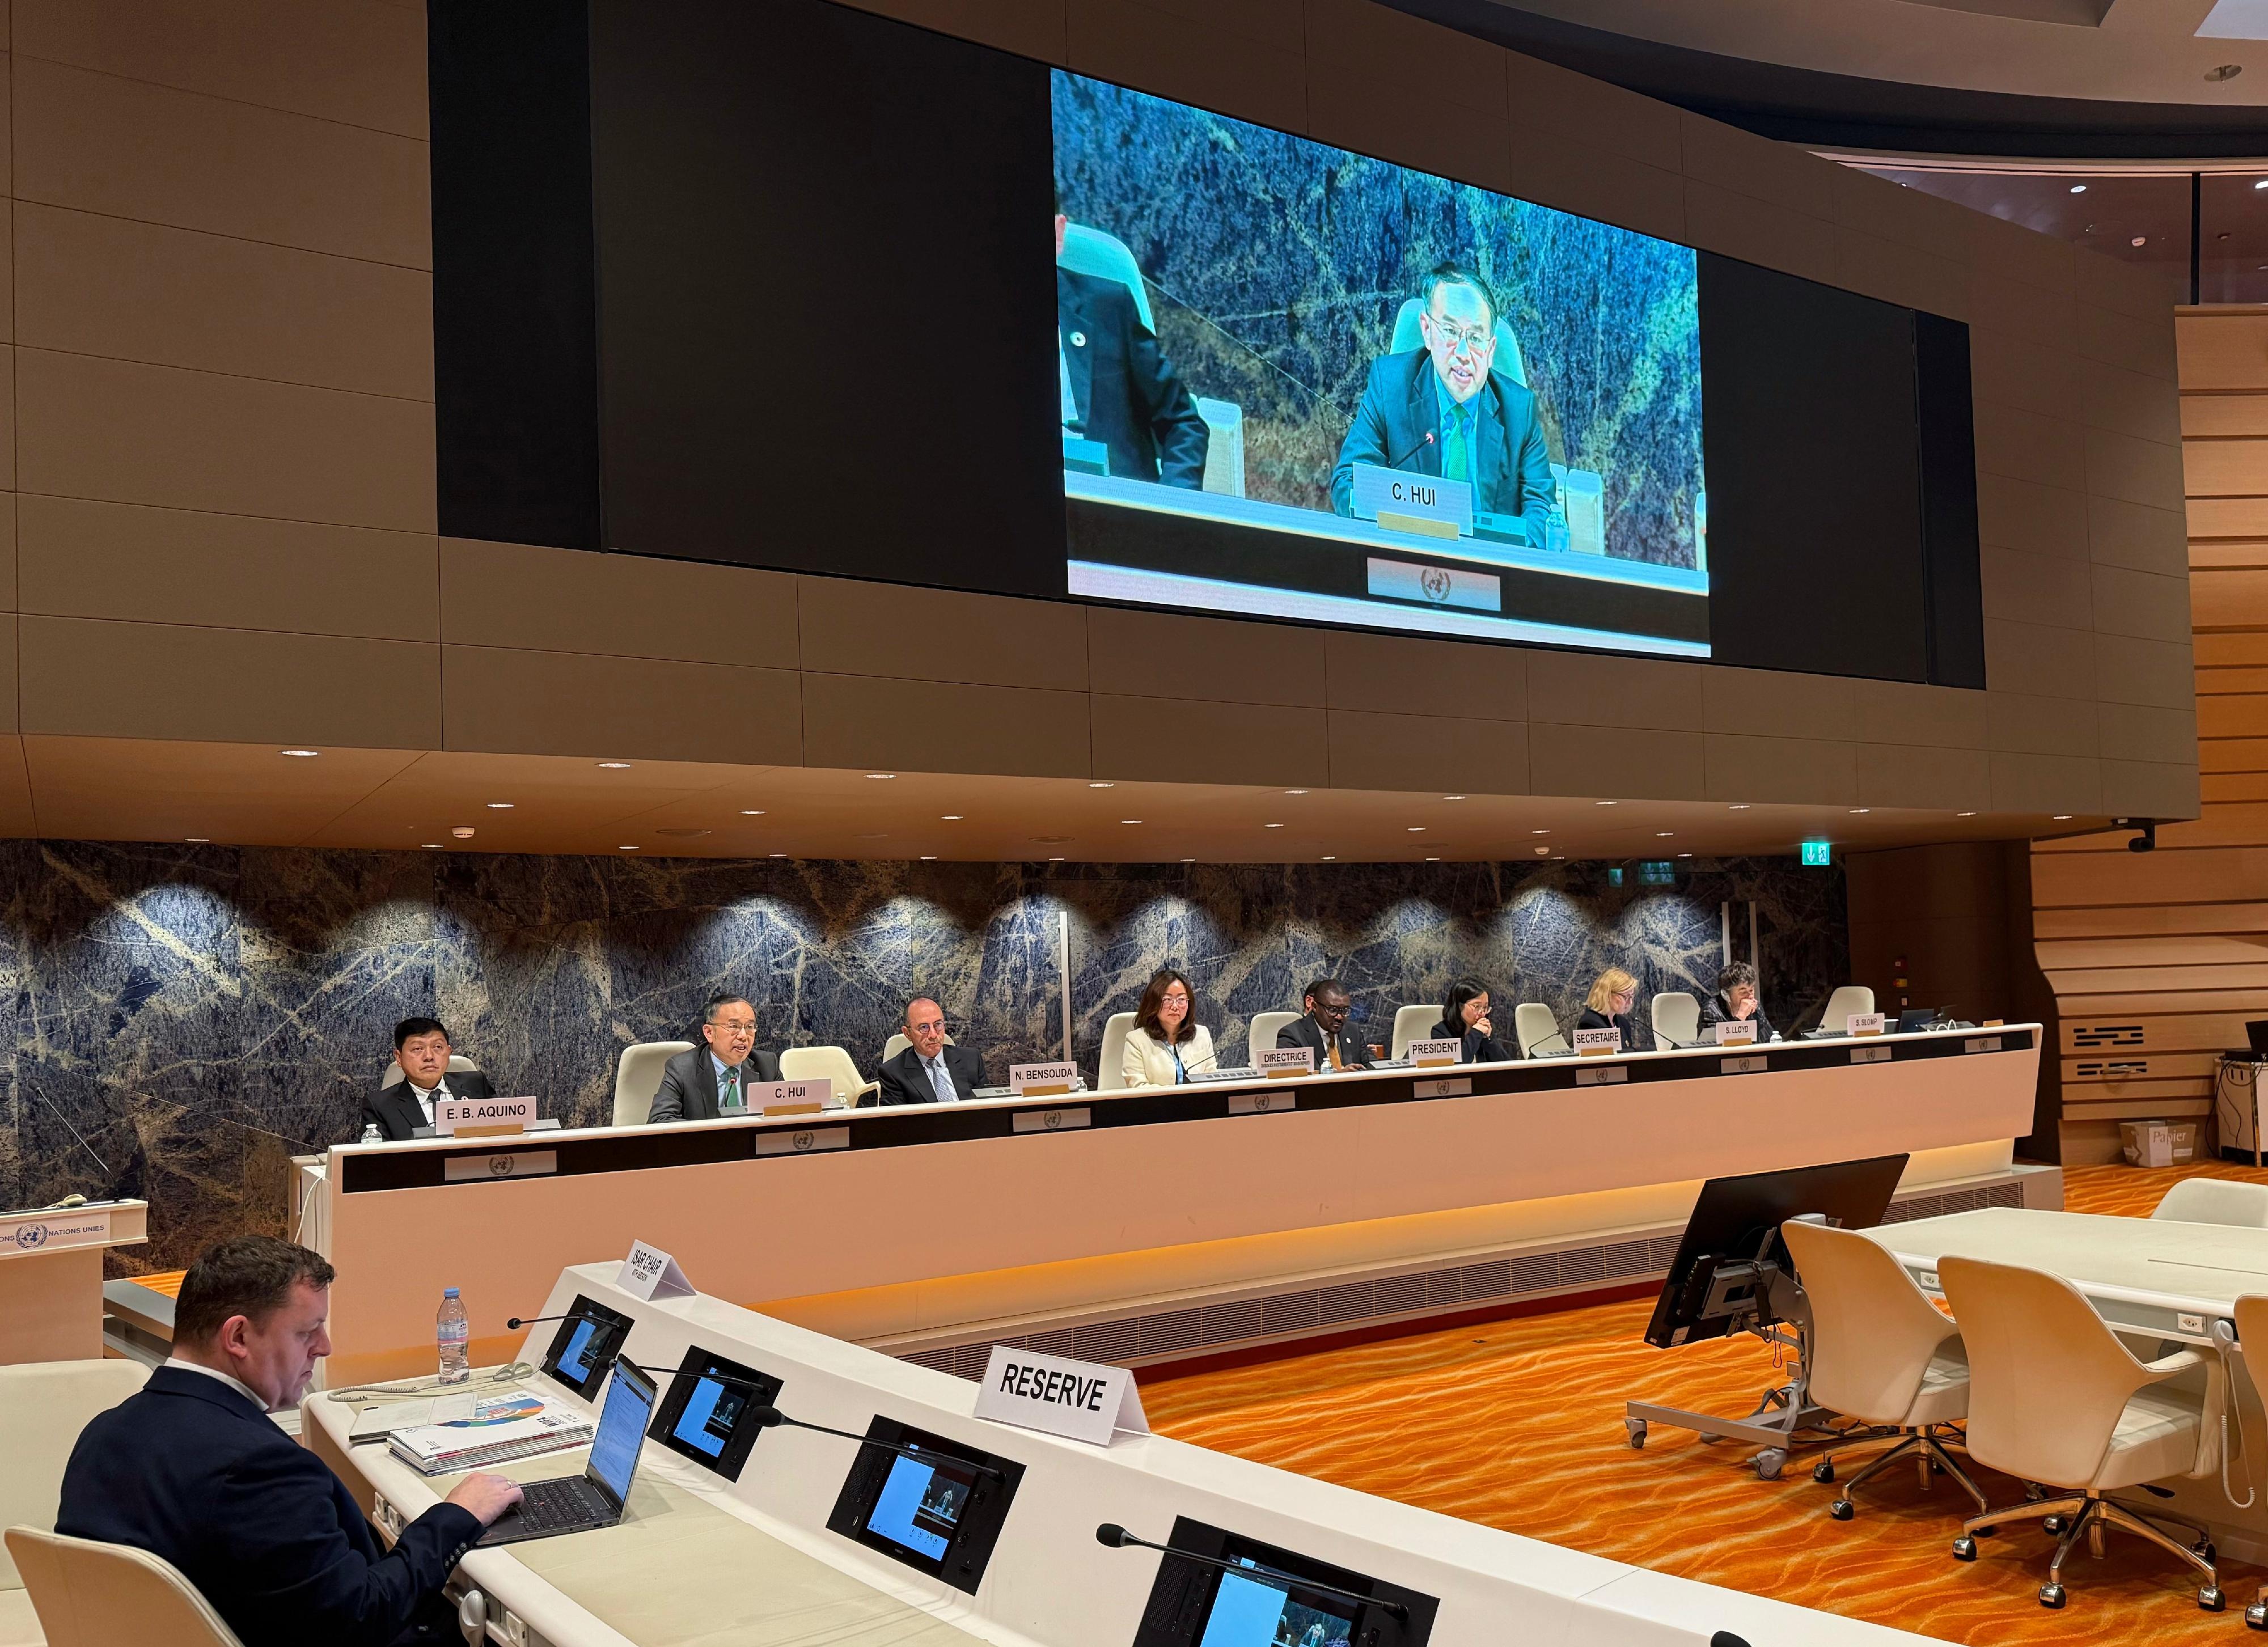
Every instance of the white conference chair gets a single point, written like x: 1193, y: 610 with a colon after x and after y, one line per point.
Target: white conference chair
x: 2216, y: 1201
x: 43, y: 1406
x: 109, y: 1595
x: 1881, y: 1353
x: 2054, y: 1398
x: 898, y: 1043
x: 1110, y: 1072
x: 829, y: 1063
x: 1538, y: 1031
x: 1676, y: 1018
x: 1264, y: 1028
x: 395, y: 1075
x: 638, y: 1078
x: 1411, y: 1023
x: 1848, y: 998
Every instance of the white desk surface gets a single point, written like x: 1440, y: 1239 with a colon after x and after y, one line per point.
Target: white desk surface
x: 2197, y: 1267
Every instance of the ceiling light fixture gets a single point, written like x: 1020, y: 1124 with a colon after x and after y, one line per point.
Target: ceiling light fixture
x: 1330, y: 858
x: 928, y: 857
x: 775, y: 855
x: 463, y: 832
x: 1129, y: 820
x: 1271, y: 826
x: 432, y: 846
x: 300, y: 754
x: 948, y: 817
x: 752, y: 812
x: 2079, y: 189
x: 2061, y: 818
x: 614, y: 766
x: 1433, y: 860
x: 2224, y: 71
x: 2262, y: 183
x: 200, y: 839
x: 625, y: 849
x: 1056, y: 860
x: 1543, y: 851
x: 1189, y: 860
x: 2139, y: 240
x: 1295, y: 791
x: 1740, y: 806
x: 1964, y: 814
x: 1860, y: 811
x: 1663, y: 834
x: 499, y: 806
x: 1606, y: 803
x: 880, y: 777
x: 1539, y: 832
x: 1453, y: 797
x: 1097, y: 786
x: 1417, y: 829
x: 1685, y: 855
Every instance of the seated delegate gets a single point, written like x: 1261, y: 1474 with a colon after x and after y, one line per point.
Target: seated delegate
x: 1465, y: 1019
x: 420, y: 1047
x: 1322, y: 1030
x: 1613, y: 993
x: 193, y: 1470
x: 930, y: 1070
x: 1165, y: 1045
x: 1736, y: 1001
x: 713, y: 1079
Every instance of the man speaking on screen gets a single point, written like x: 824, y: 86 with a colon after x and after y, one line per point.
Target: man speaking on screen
x: 1445, y: 410
x: 1118, y: 387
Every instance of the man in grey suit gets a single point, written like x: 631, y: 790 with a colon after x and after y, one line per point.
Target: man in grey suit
x: 714, y: 1079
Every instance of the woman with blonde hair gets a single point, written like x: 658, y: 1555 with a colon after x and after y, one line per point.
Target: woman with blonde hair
x: 1166, y: 1043
x: 1613, y: 993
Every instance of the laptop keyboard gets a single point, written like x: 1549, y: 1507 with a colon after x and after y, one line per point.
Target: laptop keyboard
x: 547, y: 1506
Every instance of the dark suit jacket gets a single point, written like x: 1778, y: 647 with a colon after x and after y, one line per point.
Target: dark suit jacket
x: 190, y: 1470
x: 1477, y: 1046
x: 1599, y: 1020
x: 1716, y: 1009
x: 1397, y: 426
x: 904, y: 1081
x: 398, y: 1115
x: 689, y: 1085
x: 1303, y: 1031
x: 1127, y: 393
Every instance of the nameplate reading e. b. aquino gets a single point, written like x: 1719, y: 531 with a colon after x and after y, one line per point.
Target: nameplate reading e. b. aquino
x: 478, y: 1116
x: 1425, y: 497
x: 1597, y: 1043
x: 1865, y: 1023
x: 803, y: 1141
x: 649, y: 1273
x: 1428, y: 1055
x: 1053, y: 1119
x: 1276, y: 1062
x: 1734, y: 1032
x: 1041, y: 1080
x: 792, y: 1098
x: 1262, y: 1102
x: 466, y: 1169
x: 1079, y: 1401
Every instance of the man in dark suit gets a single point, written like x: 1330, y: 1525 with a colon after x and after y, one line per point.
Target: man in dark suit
x: 1736, y: 1000
x: 713, y: 1079
x: 1444, y: 409
x: 1323, y: 1030
x: 1118, y: 386
x: 929, y: 1071
x: 193, y: 1470
x: 420, y: 1047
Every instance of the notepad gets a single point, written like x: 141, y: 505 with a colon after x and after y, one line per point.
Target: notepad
x: 444, y: 1449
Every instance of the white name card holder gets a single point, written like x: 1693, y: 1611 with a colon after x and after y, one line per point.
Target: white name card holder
x: 649, y: 1273
x: 1078, y: 1401
x: 1041, y: 1080
x: 482, y: 1117
x: 1424, y: 504
x: 1597, y: 1043
x: 1865, y: 1023
x: 790, y: 1098
x: 1734, y: 1032
x: 1279, y: 1062
x: 1429, y: 1054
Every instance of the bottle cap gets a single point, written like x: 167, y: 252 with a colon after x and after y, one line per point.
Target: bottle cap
x: 448, y: 1292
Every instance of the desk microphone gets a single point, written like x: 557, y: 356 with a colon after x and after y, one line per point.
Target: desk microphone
x: 519, y: 1321
x: 1111, y: 1535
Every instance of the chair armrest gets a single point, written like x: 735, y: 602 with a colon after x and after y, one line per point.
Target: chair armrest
x: 2167, y: 1366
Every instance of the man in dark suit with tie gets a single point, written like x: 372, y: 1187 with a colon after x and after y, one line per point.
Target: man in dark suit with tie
x: 713, y: 1079
x: 1118, y: 386
x: 193, y: 1471
x: 1444, y: 409
x: 1323, y: 1030
x: 929, y: 1071
x: 420, y: 1047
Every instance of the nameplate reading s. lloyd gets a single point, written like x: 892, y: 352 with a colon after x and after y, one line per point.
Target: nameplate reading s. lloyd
x: 1078, y: 1401
x: 1734, y: 1032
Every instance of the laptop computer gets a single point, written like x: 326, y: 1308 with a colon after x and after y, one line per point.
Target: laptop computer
x: 595, y: 1498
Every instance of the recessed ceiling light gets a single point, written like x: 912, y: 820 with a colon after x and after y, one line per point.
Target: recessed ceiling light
x: 2220, y: 72
x: 1606, y: 803
x: 1860, y: 811
x: 928, y: 857
x: 1129, y: 820
x: 1330, y: 858
x: 1685, y: 855
x: 2061, y: 818
x: 625, y: 849
x: 1271, y: 826
x: 1433, y: 860
x: 432, y: 846
x: 2079, y: 189
x: 1453, y: 797
x: 200, y: 839
x: 1739, y: 806
x: 879, y: 776
x: 775, y: 855
x: 463, y: 832
x: 1295, y: 791
x: 499, y: 806
x: 1417, y: 829
x: 2139, y: 240
x: 1543, y: 851
x: 1663, y: 834
x: 1095, y: 786
x: 614, y: 766
x: 1964, y: 814
x: 1056, y: 860
x: 300, y: 754
x: 948, y: 817
x: 1539, y: 832
x: 752, y: 812
x: 1189, y: 860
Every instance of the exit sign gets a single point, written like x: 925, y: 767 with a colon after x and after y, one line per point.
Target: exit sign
x: 1815, y: 854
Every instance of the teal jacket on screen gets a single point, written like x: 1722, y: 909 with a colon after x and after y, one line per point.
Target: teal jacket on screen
x: 1397, y: 426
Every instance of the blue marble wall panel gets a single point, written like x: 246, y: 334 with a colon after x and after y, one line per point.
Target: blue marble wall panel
x: 186, y: 1019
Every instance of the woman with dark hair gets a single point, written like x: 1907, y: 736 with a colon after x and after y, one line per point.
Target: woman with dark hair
x: 1166, y: 1043
x: 1465, y: 1019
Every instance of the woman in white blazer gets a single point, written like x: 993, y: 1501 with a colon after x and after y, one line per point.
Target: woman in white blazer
x: 1163, y: 1048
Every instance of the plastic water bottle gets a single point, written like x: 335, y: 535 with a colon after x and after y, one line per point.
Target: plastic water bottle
x: 371, y: 1135
x: 453, y: 1333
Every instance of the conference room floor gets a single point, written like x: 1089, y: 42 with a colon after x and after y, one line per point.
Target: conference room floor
x: 1518, y: 1424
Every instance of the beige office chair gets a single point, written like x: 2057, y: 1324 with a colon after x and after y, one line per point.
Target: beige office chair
x: 1110, y: 1073
x: 898, y: 1043
x: 638, y: 1078
x: 1848, y: 998
x: 1411, y: 1023
x: 43, y: 1406
x: 2216, y: 1201
x: 108, y: 1595
x: 829, y: 1063
x: 1265, y: 1027
x: 1881, y: 1353
x: 1538, y: 1031
x: 1677, y: 1020
x: 394, y: 1074
x: 2054, y: 1398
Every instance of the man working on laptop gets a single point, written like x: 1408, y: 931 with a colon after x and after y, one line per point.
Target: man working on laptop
x: 193, y: 1470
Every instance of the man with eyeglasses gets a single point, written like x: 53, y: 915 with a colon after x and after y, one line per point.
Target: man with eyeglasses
x: 713, y: 1079
x: 930, y: 1070
x: 1444, y: 409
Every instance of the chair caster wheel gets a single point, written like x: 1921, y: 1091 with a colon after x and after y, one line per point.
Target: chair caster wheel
x: 2050, y: 1595
x: 1842, y: 1510
x: 1964, y: 1548
x: 2210, y: 1601
x: 1636, y: 1429
x: 2207, y: 1553
x: 1770, y: 1463
x: 2054, y: 1524
x: 2256, y: 1616
x: 1823, y: 1471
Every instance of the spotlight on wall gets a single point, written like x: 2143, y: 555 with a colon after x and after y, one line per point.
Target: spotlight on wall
x: 2145, y: 835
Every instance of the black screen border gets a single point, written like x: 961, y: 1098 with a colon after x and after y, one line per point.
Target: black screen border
x: 695, y: 1364
x: 613, y: 1331
x: 982, y: 1518
x: 1180, y: 1599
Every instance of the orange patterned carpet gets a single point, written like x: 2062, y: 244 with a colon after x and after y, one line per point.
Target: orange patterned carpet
x: 1517, y: 1425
